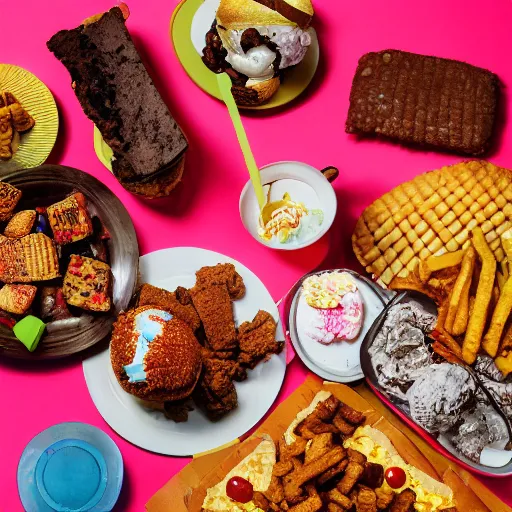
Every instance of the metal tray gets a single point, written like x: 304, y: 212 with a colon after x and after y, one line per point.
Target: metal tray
x: 42, y: 186
x: 371, y: 377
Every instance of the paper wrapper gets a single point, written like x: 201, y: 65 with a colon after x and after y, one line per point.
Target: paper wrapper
x: 185, y: 492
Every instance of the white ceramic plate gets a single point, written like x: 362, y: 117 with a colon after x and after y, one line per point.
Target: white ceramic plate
x: 305, y: 184
x: 202, y: 23
x: 339, y: 361
x: 150, y: 429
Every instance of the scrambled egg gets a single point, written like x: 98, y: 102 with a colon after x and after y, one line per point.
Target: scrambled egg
x: 325, y: 291
x: 431, y: 495
x: 256, y: 468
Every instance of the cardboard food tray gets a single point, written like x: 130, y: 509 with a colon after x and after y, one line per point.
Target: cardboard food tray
x: 185, y: 492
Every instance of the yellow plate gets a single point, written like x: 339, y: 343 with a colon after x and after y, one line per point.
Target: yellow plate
x: 184, y: 21
x: 37, y: 144
x: 102, y: 149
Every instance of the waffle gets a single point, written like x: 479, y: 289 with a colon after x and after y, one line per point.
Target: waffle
x: 27, y: 259
x: 434, y: 214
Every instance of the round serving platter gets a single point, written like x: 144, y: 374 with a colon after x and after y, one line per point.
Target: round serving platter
x: 149, y: 428
x: 191, y: 21
x: 338, y: 362
x: 43, y: 186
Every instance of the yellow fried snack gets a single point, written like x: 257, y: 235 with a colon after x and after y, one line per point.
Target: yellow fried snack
x: 504, y: 364
x: 506, y: 341
x: 484, y: 291
x: 449, y: 259
x: 501, y: 280
x: 462, y: 285
x: 500, y: 316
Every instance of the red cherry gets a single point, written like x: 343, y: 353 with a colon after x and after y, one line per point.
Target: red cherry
x: 395, y: 477
x: 239, y: 489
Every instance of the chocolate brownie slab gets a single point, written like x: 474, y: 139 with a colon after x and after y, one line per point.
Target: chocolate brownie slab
x: 118, y: 95
x: 424, y: 100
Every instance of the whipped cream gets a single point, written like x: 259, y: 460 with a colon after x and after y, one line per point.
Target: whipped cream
x: 292, y: 43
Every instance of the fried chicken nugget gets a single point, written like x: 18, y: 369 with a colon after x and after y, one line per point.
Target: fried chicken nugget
x: 312, y: 504
x: 366, y: 500
x: 333, y: 472
x: 343, y: 426
x: 314, y: 425
x: 403, y: 501
x: 352, y: 474
x: 384, y: 498
x: 327, y: 409
x: 356, y: 456
x: 275, y: 491
x: 319, y: 446
x: 282, y: 468
x: 260, y: 501
x: 287, y: 451
x: 335, y: 496
x: 293, y: 481
x: 220, y: 274
x: 373, y: 475
x: 351, y: 415
x: 333, y: 507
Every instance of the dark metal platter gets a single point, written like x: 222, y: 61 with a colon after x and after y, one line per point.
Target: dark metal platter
x: 48, y: 184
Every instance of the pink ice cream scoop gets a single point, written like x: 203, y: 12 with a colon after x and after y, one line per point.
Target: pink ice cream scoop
x: 342, y: 322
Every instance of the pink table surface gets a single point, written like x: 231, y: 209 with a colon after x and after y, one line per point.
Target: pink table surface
x: 204, y: 211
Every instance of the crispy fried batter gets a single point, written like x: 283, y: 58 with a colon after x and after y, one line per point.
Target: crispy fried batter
x: 293, y: 450
x: 313, y: 424
x: 332, y: 507
x: 366, y: 500
x: 282, y: 468
x: 340, y: 499
x: 356, y: 456
x: 312, y: 504
x: 351, y: 415
x: 352, y: 474
x: 215, y: 310
x: 154, y: 296
x: 294, y: 480
x: 403, y: 501
x: 343, y: 426
x: 320, y: 445
x: 275, y: 491
x: 223, y: 274
x: 257, y: 339
x: 260, y: 501
x: 384, y: 498
x: 333, y: 472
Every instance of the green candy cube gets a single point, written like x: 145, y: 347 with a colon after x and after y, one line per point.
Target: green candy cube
x: 29, y: 331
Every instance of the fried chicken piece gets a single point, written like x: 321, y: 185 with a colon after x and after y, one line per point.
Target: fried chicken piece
x: 282, y: 468
x: 275, y: 491
x: 260, y: 501
x: 352, y: 474
x: 366, y: 500
x: 356, y: 456
x: 312, y: 426
x: 239, y: 374
x: 215, y: 310
x: 351, y: 415
x: 311, y: 504
x: 222, y: 274
x: 177, y: 411
x: 384, y: 498
x: 293, y: 481
x: 335, y: 496
x: 287, y: 451
x: 153, y: 296
x: 333, y: 507
x: 327, y: 409
x: 343, y: 426
x: 373, y: 475
x: 284, y: 506
x: 403, y: 502
x: 215, y: 391
x: 319, y: 446
x: 333, y: 472
x: 257, y: 340
x: 297, y: 463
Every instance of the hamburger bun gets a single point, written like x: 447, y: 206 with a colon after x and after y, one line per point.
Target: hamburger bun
x: 172, y: 364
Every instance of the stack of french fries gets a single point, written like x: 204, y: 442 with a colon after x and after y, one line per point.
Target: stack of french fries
x: 474, y: 297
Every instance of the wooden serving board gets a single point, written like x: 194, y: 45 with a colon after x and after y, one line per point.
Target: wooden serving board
x: 185, y: 492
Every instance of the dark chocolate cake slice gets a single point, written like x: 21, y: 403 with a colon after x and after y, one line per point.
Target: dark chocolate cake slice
x: 424, y: 100
x: 118, y: 95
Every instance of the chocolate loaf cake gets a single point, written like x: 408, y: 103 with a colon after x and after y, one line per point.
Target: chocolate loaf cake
x: 424, y: 100
x: 118, y: 95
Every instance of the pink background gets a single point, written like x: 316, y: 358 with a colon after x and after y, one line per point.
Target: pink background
x: 204, y: 211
